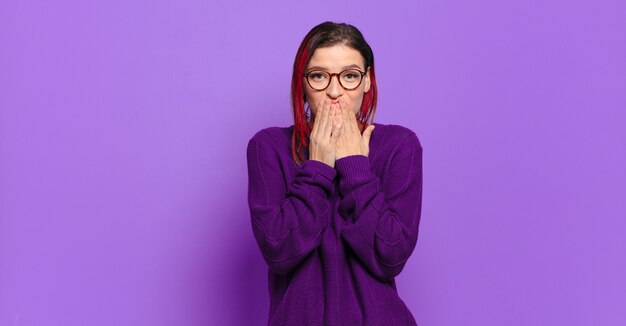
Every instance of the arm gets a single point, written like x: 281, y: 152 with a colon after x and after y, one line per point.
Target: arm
x: 385, y: 217
x: 287, y: 220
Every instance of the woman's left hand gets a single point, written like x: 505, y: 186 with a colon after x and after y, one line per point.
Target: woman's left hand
x: 350, y: 141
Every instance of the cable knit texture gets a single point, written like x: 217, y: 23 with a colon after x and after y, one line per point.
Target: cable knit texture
x: 334, y: 239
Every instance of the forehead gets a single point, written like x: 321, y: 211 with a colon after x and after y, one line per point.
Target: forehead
x: 336, y: 57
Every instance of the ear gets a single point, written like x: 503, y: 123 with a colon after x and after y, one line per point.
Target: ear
x: 367, y: 81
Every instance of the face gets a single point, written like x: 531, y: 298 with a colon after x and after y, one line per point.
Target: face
x: 335, y: 59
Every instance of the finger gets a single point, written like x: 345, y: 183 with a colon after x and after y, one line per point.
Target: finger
x: 354, y: 123
x: 344, y: 117
x: 332, y: 120
x: 344, y: 105
x: 344, y: 126
x: 339, y: 114
x: 347, y: 117
x: 331, y: 117
x: 316, y: 124
x: 323, y: 119
x: 338, y: 111
x: 341, y: 104
x: 336, y: 132
x: 367, y: 133
x: 334, y: 113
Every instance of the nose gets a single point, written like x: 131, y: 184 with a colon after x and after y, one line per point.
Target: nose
x: 334, y: 90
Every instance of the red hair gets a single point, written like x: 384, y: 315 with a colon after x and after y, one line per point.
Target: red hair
x: 324, y: 35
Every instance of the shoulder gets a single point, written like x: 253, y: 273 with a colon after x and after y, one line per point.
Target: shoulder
x: 272, y: 134
x: 273, y: 141
x: 397, y: 136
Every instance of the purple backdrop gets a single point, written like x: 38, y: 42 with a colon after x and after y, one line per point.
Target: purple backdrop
x: 123, y: 182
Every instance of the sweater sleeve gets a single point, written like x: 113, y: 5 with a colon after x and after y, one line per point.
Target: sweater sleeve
x: 383, y: 218
x: 287, y: 219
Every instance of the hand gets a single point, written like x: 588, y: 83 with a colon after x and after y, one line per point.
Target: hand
x: 350, y: 140
x: 324, y: 134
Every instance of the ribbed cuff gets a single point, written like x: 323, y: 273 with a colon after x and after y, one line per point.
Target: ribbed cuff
x: 320, y: 168
x: 353, y: 167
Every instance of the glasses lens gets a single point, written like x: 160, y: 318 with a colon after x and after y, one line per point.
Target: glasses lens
x: 318, y: 79
x: 350, y: 79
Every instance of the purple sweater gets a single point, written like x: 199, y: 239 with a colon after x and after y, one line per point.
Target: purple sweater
x: 335, y: 238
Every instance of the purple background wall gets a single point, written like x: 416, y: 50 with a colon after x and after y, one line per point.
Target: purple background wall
x: 123, y: 182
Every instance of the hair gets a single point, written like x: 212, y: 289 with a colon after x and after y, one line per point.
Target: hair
x: 325, y: 35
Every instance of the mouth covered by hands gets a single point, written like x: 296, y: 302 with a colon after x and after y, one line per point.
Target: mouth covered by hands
x: 336, y: 133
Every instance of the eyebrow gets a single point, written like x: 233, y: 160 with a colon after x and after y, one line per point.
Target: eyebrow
x: 343, y: 68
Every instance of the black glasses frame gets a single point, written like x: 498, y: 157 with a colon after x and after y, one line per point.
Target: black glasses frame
x: 306, y: 76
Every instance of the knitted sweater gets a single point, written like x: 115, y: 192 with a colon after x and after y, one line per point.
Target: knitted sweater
x: 335, y: 238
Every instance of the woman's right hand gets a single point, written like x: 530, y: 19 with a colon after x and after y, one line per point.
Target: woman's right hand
x: 324, y: 134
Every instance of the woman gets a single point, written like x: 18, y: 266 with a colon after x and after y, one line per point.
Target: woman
x: 335, y: 206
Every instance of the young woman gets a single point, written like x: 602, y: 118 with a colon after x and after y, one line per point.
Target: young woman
x: 335, y: 206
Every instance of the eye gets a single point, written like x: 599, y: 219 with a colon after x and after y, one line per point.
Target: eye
x: 317, y: 76
x: 351, y: 75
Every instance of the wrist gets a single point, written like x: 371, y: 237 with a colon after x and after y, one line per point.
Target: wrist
x: 331, y: 164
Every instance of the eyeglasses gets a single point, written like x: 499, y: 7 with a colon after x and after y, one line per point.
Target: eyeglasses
x: 348, y: 79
